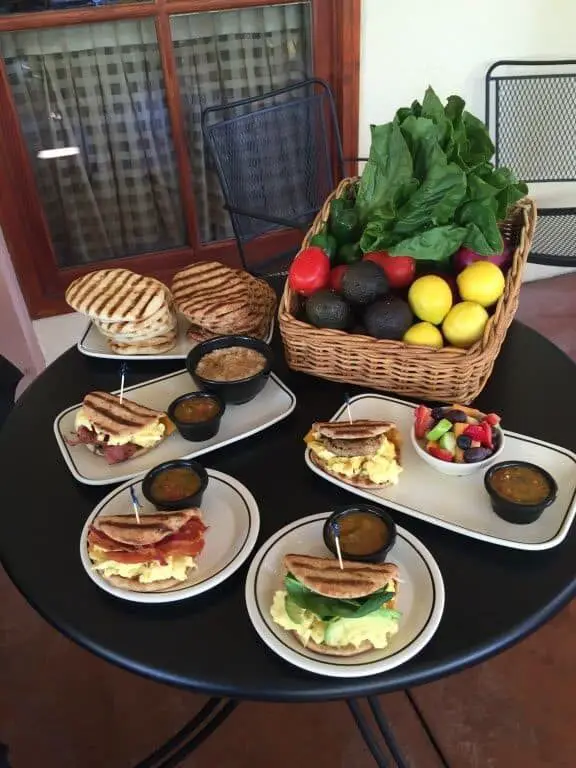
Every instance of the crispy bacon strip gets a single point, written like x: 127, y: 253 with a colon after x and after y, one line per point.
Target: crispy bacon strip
x: 189, y: 540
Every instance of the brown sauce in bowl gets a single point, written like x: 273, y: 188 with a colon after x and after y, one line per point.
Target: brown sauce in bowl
x: 231, y: 364
x: 174, y: 484
x: 196, y: 409
x: 362, y: 533
x: 520, y: 485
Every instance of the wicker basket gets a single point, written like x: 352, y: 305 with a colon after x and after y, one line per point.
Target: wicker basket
x: 444, y: 375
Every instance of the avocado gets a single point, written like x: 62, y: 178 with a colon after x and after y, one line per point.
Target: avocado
x: 327, y: 309
x: 364, y: 282
x: 388, y: 318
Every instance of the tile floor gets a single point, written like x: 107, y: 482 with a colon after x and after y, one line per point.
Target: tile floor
x: 61, y: 707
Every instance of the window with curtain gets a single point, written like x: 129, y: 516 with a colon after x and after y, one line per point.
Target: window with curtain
x: 92, y: 105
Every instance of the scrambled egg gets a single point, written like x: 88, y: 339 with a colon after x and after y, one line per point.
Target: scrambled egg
x: 380, y: 468
x: 147, y: 437
x: 338, y: 632
x: 175, y: 567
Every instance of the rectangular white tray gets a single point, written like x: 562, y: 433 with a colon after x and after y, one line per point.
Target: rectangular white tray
x: 273, y: 404
x: 461, y: 504
x: 94, y: 344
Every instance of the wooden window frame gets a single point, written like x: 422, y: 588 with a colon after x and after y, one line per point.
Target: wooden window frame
x: 22, y: 220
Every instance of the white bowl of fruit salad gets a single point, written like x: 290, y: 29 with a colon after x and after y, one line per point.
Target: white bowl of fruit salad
x: 456, y: 439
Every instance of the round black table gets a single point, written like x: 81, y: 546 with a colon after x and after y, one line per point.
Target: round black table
x: 494, y: 595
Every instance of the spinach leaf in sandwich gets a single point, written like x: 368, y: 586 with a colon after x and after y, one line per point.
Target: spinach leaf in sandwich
x: 328, y: 608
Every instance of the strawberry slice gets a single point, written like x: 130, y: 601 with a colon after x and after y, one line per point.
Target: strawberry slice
x: 440, y: 453
x: 493, y: 419
x: 422, y: 421
x: 475, y: 432
x: 487, y: 441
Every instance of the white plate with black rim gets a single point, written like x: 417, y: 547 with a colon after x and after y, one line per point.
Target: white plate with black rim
x: 420, y: 600
x: 274, y: 403
x: 93, y: 344
x: 461, y: 504
x: 233, y: 519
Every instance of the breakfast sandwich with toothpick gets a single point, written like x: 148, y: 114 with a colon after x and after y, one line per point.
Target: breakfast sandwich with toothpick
x: 337, y: 610
x: 362, y: 453
x: 148, y: 553
x: 118, y: 429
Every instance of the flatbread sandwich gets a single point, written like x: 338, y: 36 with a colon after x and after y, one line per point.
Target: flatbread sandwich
x: 134, y: 312
x: 116, y: 430
x: 334, y: 611
x: 152, y: 555
x: 363, y: 453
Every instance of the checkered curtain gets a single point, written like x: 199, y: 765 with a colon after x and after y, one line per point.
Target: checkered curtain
x: 119, y: 196
x: 100, y: 88
x: 238, y: 55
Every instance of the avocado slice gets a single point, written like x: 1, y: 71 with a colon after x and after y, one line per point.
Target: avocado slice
x: 295, y: 613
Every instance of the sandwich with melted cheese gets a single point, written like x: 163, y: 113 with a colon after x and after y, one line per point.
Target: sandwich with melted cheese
x: 334, y: 611
x: 152, y: 555
x: 116, y: 430
x: 362, y: 453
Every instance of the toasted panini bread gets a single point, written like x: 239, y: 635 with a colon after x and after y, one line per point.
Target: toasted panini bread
x: 324, y: 576
x: 330, y: 650
x: 345, y: 430
x: 151, y: 529
x: 107, y: 414
x: 137, y: 586
x: 116, y: 295
x: 157, y: 324
x: 213, y: 296
x: 154, y: 346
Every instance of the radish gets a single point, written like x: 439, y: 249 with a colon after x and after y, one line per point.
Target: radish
x: 462, y: 258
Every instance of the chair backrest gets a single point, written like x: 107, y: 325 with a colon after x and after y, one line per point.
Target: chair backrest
x: 272, y: 153
x: 531, y: 114
x: 9, y: 378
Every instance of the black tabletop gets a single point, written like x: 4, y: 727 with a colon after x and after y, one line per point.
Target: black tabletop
x: 494, y: 595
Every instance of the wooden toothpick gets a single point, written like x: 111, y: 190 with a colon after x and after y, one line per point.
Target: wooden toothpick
x: 347, y: 398
x: 123, y: 369
x: 335, y: 529
x: 135, y: 504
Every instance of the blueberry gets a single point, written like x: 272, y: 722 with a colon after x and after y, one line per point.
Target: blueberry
x: 456, y: 415
x: 438, y: 413
x: 464, y: 442
x: 472, y: 455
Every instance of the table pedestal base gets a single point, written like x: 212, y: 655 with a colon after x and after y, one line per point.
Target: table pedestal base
x: 216, y: 711
x: 194, y: 733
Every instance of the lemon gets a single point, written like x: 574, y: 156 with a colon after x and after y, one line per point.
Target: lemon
x: 465, y: 324
x: 430, y: 298
x: 482, y: 282
x: 425, y: 335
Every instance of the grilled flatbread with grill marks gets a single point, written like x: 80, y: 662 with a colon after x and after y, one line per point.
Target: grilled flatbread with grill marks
x: 154, y: 346
x: 324, y: 576
x: 150, y: 530
x: 157, y: 324
x: 213, y: 296
x: 116, y: 295
x: 107, y: 414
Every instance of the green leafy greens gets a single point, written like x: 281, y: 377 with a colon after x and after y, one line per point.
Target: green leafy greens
x: 430, y: 187
x: 328, y: 608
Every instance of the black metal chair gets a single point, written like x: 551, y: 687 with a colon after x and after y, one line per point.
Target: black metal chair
x: 531, y: 114
x: 273, y: 157
x: 10, y: 376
